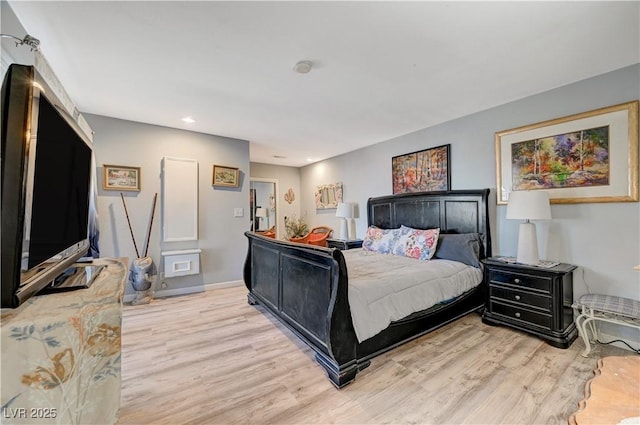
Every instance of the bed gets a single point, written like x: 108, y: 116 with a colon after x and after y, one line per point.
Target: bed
x: 307, y: 288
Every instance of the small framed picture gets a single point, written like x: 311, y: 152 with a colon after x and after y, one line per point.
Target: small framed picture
x: 120, y: 177
x: 225, y: 176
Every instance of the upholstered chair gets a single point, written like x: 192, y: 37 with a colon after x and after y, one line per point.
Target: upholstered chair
x: 319, y: 235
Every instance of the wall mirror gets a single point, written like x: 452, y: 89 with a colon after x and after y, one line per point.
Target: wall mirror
x: 328, y: 196
x: 263, y: 208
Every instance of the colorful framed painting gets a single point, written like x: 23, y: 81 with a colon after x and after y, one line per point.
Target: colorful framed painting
x: 225, y: 176
x: 427, y: 170
x: 587, y: 157
x: 120, y: 177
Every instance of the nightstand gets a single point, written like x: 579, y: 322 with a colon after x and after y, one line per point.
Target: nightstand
x: 342, y: 245
x: 531, y: 299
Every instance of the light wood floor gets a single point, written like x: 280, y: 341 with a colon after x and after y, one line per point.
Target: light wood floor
x: 211, y: 358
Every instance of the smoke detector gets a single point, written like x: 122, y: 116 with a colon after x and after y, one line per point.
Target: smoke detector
x: 303, y: 67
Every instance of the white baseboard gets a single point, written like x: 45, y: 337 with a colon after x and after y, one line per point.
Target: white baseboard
x: 219, y: 285
x: 162, y: 293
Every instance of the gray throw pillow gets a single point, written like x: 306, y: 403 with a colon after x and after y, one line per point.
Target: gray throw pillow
x: 463, y: 247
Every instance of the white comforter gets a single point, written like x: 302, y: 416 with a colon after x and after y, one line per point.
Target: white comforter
x: 384, y: 288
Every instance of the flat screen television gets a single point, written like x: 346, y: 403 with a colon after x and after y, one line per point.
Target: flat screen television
x: 46, y: 187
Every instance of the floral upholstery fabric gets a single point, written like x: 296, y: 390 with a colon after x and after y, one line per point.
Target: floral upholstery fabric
x: 405, y: 241
x: 416, y: 243
x: 61, y: 354
x: 384, y: 241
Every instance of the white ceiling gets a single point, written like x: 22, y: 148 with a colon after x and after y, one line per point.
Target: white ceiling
x: 381, y: 69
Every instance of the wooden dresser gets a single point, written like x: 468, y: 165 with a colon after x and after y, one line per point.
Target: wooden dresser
x: 61, y: 354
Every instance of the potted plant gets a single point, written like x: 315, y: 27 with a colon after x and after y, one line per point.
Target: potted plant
x: 297, y: 230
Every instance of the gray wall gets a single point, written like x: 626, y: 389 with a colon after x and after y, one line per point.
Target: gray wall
x: 603, y: 239
x: 10, y: 52
x: 221, y: 235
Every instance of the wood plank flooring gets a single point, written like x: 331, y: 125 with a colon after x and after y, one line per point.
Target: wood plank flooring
x: 210, y: 358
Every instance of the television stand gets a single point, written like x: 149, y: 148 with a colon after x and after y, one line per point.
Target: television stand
x: 78, y: 276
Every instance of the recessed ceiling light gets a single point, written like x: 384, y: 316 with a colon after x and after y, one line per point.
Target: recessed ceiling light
x: 303, y: 67
x: 188, y: 120
x: 309, y: 159
x: 279, y: 156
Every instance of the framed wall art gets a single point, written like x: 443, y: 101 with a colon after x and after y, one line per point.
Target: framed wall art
x: 587, y: 157
x: 120, y: 177
x: 225, y: 176
x: 422, y: 171
x: 328, y: 196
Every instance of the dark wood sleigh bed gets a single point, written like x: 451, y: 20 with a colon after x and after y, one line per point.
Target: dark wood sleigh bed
x: 306, y: 287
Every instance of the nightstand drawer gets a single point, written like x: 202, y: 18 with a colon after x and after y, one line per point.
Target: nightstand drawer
x: 528, y: 316
x: 520, y: 279
x: 523, y: 297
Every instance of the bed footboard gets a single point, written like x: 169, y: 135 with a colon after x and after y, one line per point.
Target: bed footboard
x: 305, y: 287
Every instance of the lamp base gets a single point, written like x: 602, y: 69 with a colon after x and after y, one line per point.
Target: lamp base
x: 352, y: 230
x: 527, y: 244
x: 344, y: 230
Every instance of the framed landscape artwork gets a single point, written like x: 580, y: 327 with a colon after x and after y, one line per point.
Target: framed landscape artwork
x: 587, y: 157
x: 422, y: 171
x: 120, y: 177
x: 225, y: 176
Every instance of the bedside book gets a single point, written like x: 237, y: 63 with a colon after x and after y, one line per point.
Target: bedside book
x: 545, y: 264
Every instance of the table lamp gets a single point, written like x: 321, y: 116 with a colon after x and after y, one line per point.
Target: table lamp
x: 344, y: 211
x: 528, y: 205
x: 260, y: 213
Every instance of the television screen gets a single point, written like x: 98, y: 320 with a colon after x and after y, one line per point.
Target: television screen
x: 61, y: 187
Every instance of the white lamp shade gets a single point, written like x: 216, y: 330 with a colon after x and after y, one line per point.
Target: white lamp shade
x: 344, y: 210
x: 261, y: 212
x: 529, y: 205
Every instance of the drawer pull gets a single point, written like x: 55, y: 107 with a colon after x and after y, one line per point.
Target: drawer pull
x: 517, y: 314
x: 516, y: 280
x: 517, y: 297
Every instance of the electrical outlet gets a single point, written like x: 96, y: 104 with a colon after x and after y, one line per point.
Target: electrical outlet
x: 238, y: 212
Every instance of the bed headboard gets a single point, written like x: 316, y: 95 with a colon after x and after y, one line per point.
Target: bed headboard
x: 453, y: 211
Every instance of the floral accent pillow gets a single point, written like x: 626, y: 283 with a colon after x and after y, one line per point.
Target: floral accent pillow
x: 380, y: 240
x: 416, y: 243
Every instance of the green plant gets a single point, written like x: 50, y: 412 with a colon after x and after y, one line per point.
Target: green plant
x: 295, y: 227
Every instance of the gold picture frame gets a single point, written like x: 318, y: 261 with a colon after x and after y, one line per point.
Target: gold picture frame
x: 586, y: 157
x: 224, y: 176
x: 120, y: 177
